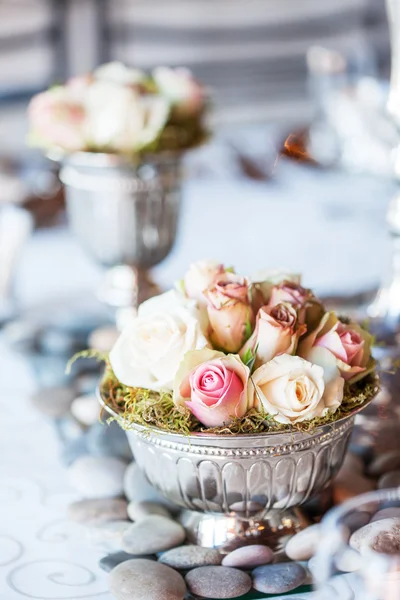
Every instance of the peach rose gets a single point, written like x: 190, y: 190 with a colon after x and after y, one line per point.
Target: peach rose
x: 348, y: 346
x: 213, y: 386
x: 277, y: 332
x: 200, y: 276
x: 230, y: 313
x: 292, y: 390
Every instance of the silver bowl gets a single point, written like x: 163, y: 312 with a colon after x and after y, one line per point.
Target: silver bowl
x: 240, y: 489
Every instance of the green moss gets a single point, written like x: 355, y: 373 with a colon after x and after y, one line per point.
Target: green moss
x: 152, y: 409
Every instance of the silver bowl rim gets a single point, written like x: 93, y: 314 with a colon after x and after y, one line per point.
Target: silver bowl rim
x: 222, y: 436
x: 88, y: 159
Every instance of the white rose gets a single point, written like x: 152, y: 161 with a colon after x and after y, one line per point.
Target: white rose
x: 117, y: 72
x: 149, y: 351
x: 181, y: 88
x: 292, y: 389
x: 200, y: 276
x: 119, y: 119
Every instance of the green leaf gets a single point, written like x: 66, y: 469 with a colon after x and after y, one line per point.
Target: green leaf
x: 249, y: 358
x: 180, y: 286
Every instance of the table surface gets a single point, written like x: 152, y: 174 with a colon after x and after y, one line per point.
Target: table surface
x: 331, y: 227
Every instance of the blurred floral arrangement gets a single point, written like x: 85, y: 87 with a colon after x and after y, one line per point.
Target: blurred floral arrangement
x: 120, y: 110
x: 228, y: 354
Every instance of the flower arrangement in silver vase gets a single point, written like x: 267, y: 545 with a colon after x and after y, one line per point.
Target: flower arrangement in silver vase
x: 226, y: 353
x: 118, y: 110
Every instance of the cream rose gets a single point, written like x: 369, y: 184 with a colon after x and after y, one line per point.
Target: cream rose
x: 150, y: 350
x: 200, y: 276
x: 292, y: 390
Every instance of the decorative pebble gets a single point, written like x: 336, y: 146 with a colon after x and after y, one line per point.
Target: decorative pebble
x: 279, y: 578
x: 389, y: 461
x: 350, y: 486
x: 108, y: 536
x: 138, y: 511
x: 98, y: 510
x: 103, y: 338
x: 97, y: 477
x: 248, y: 557
x: 382, y: 536
x: 138, y: 489
x: 393, y: 511
x: 109, y: 562
x: 86, y: 409
x: 55, y: 401
x: 140, y: 579
x: 389, y: 480
x: 357, y: 519
x: 218, y: 582
x: 57, y: 342
x: 108, y: 440
x: 73, y: 450
x: 190, y: 557
x: 302, y: 545
x: 152, y: 534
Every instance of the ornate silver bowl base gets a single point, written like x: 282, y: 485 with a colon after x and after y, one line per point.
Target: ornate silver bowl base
x: 240, y: 489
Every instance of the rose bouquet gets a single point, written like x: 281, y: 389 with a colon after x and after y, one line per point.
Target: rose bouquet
x: 226, y: 353
x: 120, y: 110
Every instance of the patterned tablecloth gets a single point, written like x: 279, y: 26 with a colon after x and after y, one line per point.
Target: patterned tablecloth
x: 332, y: 228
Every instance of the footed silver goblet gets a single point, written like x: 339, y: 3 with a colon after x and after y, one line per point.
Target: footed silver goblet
x: 240, y: 489
x: 126, y: 217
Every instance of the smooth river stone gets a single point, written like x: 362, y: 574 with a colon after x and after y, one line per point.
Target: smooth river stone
x: 352, y: 485
x: 218, y: 582
x: 108, y: 536
x: 74, y: 449
x: 385, y: 513
x: 279, y: 578
x: 138, y: 511
x: 95, y: 477
x: 108, y: 440
x: 302, y: 545
x: 381, y: 536
x: 190, y: 557
x: 109, y: 562
x: 86, y: 409
x: 389, y: 461
x: 98, y: 510
x: 55, y: 401
x: 389, y: 480
x: 153, y: 534
x: 248, y: 557
x: 141, y: 579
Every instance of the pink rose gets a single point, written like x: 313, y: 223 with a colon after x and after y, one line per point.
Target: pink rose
x: 230, y: 313
x: 346, y: 346
x: 57, y: 118
x: 277, y: 332
x: 200, y: 276
x: 214, y: 386
x: 309, y: 309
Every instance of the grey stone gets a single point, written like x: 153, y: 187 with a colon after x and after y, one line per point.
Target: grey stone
x: 54, y: 401
x: 389, y: 461
x: 279, y: 578
x: 109, y: 562
x: 190, y: 557
x: 108, y: 440
x: 138, y: 489
x: 218, y: 582
x: 141, y: 579
x: 248, y: 557
x: 389, y: 480
x: 140, y: 510
x: 381, y: 536
x: 98, y: 510
x: 57, y: 342
x: 108, y: 536
x: 152, y: 534
x: 73, y: 450
x: 355, y: 520
x: 86, y: 409
x: 303, y: 545
x: 96, y: 477
x: 385, y: 513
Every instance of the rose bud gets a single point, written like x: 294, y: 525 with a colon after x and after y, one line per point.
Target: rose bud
x: 200, y: 276
x: 332, y: 343
x: 292, y: 390
x: 214, y: 387
x: 230, y: 313
x: 309, y: 309
x: 277, y: 332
